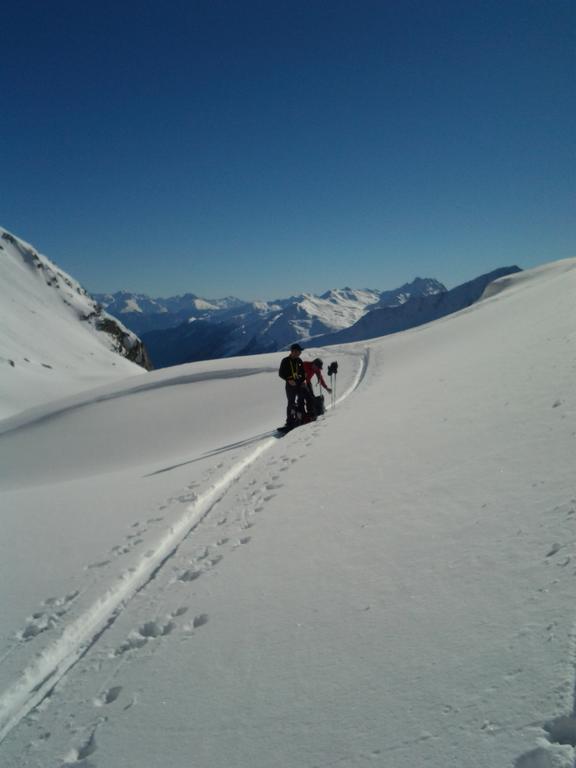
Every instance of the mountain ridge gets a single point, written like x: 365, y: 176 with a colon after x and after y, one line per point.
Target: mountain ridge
x: 417, y: 310
x: 240, y: 328
x: 55, y: 335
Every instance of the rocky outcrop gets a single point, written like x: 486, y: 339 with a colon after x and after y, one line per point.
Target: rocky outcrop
x: 60, y: 294
x: 126, y: 343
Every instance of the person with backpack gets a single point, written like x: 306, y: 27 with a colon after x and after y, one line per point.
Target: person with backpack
x: 312, y: 369
x: 315, y: 369
x: 298, y: 393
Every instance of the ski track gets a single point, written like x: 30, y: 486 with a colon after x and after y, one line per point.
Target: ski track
x: 37, y: 681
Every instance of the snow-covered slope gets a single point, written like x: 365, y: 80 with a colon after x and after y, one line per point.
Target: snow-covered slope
x: 55, y: 339
x: 391, y: 586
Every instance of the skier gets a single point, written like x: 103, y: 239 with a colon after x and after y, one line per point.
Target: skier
x: 312, y: 369
x: 297, y: 391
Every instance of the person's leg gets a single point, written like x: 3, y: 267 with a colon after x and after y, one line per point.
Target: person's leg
x: 308, y: 398
x: 291, y: 395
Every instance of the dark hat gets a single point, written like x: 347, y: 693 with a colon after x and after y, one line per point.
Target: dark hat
x: 296, y: 346
x: 317, y: 362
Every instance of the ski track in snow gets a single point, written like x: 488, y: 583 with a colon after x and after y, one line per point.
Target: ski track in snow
x: 37, y: 682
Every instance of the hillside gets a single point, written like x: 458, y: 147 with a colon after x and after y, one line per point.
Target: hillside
x: 55, y: 339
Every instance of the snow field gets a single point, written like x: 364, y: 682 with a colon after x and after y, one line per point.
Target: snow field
x: 391, y: 585
x: 73, y: 419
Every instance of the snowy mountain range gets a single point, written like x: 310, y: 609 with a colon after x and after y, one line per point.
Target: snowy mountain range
x: 142, y: 313
x: 306, y: 314
x: 229, y: 327
x: 188, y: 328
x: 55, y: 337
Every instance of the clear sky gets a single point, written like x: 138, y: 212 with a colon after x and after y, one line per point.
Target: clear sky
x: 267, y: 148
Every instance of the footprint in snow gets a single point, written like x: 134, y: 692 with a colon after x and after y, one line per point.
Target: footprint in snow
x: 187, y: 497
x: 84, y: 750
x: 132, y: 643
x: 60, y: 601
x: 108, y: 696
x: 191, y: 574
x: 197, y: 622
x: 154, y: 629
x: 42, y: 621
x: 150, y: 630
x: 537, y: 758
x: 119, y: 550
x: 36, y: 624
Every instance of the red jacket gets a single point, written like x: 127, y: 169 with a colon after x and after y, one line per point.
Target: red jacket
x: 310, y: 371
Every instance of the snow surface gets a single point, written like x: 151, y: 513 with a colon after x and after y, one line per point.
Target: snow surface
x: 49, y: 346
x: 390, y: 586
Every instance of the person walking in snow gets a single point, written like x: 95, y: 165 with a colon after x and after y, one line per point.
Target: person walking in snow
x: 297, y: 391
x: 312, y: 369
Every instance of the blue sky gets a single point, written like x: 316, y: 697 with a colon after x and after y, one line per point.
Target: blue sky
x: 264, y: 149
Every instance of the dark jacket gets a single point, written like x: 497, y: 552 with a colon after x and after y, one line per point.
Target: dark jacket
x: 292, y: 369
